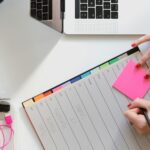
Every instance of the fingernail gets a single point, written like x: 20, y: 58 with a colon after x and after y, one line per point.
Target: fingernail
x: 129, y: 104
x: 138, y: 65
x: 147, y: 76
x: 134, y: 45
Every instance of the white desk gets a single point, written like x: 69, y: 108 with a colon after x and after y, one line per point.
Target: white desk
x: 34, y: 58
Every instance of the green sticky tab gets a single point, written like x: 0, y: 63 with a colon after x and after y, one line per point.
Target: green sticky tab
x: 104, y: 65
x: 113, y: 60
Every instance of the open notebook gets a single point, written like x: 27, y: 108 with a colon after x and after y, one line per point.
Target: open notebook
x: 88, y: 114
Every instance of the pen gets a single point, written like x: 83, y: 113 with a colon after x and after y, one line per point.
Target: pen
x: 144, y: 111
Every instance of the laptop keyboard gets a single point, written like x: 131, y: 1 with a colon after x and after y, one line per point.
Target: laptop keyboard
x: 41, y: 9
x: 96, y: 9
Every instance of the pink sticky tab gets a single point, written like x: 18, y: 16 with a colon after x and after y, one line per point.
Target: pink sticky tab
x: 131, y: 81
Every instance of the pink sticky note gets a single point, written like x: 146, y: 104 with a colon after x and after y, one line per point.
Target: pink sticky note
x: 131, y: 81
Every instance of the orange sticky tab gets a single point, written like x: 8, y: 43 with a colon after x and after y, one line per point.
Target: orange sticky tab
x: 39, y: 97
x: 47, y: 93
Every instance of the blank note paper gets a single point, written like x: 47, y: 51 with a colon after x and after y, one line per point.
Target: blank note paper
x: 131, y: 81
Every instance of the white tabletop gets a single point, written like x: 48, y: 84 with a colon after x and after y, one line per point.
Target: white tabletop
x: 34, y: 58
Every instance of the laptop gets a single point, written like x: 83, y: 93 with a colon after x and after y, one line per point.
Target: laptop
x: 93, y: 16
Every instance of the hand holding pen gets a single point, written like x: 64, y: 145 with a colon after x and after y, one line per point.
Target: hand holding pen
x: 139, y: 115
x: 138, y: 112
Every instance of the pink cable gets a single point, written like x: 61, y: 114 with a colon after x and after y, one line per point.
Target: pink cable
x: 3, y: 137
x: 5, y: 143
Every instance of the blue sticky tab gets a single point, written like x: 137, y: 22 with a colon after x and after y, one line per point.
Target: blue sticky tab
x: 95, y: 70
x: 85, y: 74
x: 75, y: 79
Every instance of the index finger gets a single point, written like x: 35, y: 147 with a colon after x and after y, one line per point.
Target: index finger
x: 141, y: 40
x: 139, y: 103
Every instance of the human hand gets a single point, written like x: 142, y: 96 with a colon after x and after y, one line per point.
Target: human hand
x: 146, y: 55
x: 135, y: 116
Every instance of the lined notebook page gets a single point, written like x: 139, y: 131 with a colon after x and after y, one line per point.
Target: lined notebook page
x: 87, y: 115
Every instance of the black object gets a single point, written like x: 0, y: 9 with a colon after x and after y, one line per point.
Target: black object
x: 91, y: 13
x: 1, y: 1
x: 4, y: 106
x: 96, y: 9
x: 91, y: 3
x: 99, y: 12
x: 62, y: 8
x: 41, y: 9
x: 114, y: 7
x: 106, y: 14
x: 114, y: 15
x: 77, y: 8
x: 84, y: 15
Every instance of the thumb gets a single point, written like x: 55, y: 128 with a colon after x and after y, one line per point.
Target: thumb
x: 139, y: 103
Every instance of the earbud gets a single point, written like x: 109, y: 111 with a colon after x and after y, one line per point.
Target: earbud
x: 4, y: 106
x: 1, y: 1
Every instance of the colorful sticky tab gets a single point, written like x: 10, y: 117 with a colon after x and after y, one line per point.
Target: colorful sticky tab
x: 104, y: 65
x: 114, y: 60
x: 131, y: 81
x: 47, y: 93
x: 85, y: 74
x: 75, y: 79
x: 38, y: 97
x: 58, y: 88
x: 95, y: 70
